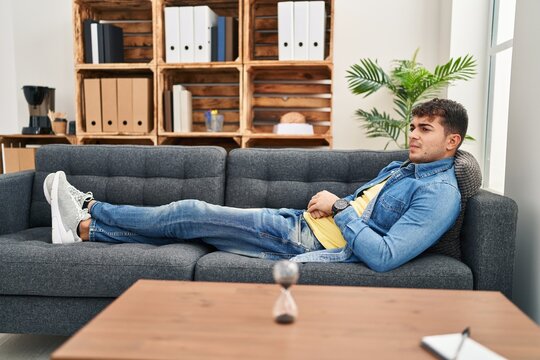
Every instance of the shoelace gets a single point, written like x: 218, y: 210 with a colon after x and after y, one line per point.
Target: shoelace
x: 79, y: 196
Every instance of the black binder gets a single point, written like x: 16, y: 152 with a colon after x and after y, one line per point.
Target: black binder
x: 113, y: 43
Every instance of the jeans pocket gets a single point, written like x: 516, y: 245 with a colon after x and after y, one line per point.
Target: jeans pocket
x: 284, y: 246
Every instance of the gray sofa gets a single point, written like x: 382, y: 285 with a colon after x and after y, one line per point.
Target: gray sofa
x: 55, y: 289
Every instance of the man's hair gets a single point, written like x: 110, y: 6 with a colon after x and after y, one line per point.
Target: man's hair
x: 453, y: 115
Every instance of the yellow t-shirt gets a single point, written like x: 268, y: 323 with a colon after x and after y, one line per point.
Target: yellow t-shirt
x: 326, y: 230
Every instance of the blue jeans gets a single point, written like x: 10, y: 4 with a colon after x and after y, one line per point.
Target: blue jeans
x: 264, y: 233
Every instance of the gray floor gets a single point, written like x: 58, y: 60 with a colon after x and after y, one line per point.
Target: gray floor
x: 28, y: 347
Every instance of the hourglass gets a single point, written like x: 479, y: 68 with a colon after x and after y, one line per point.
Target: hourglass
x: 285, y: 274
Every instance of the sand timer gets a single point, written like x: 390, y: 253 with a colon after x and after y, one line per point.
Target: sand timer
x: 285, y: 274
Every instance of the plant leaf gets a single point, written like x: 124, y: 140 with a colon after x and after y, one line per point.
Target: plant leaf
x: 382, y: 124
x: 366, y: 77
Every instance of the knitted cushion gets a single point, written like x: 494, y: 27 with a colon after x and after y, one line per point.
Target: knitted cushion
x: 469, y: 180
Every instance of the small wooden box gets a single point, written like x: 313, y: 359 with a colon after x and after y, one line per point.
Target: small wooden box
x: 135, y: 17
x: 273, y: 91
x: 211, y: 88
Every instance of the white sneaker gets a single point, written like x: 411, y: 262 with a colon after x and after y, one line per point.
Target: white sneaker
x: 47, y: 186
x: 66, y: 210
x: 79, y: 195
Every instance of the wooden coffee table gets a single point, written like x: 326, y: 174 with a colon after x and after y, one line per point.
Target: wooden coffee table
x: 197, y: 320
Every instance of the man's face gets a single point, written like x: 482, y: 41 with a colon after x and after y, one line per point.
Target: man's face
x: 428, y: 142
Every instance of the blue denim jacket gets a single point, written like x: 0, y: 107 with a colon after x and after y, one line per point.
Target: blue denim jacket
x: 417, y: 205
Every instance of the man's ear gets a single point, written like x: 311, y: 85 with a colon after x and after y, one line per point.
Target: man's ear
x: 453, y: 142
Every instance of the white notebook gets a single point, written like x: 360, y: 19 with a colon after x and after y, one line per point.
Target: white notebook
x: 445, y: 346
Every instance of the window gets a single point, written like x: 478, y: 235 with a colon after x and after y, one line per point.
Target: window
x: 500, y: 67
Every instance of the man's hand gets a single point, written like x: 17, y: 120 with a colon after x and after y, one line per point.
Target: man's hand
x: 321, y: 203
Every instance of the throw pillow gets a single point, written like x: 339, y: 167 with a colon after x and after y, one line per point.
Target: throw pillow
x: 469, y: 178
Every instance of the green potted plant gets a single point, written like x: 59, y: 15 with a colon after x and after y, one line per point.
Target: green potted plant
x: 410, y: 83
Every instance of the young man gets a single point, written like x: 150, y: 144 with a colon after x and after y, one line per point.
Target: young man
x: 385, y: 223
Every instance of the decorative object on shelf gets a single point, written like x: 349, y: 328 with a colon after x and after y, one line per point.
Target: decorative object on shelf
x: 214, y: 120
x: 40, y: 101
x: 285, y: 274
x: 292, y: 117
x: 293, y: 123
x: 59, y: 126
x: 410, y: 83
x: 71, y: 128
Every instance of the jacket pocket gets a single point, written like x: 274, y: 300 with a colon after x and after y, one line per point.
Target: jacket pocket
x: 387, y: 211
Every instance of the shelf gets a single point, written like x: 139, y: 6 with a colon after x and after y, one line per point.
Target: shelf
x: 204, y: 65
x: 211, y: 88
x: 253, y: 92
x: 118, y: 66
x: 288, y: 63
x: 261, y: 18
x: 38, y: 139
x: 135, y: 17
x: 231, y: 8
x: 117, y: 139
x: 200, y: 134
x: 226, y: 140
x: 279, y: 140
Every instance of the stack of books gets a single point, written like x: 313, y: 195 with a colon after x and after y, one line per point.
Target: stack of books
x: 103, y: 43
x: 198, y: 34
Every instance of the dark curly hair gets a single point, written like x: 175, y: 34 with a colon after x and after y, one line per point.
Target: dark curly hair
x: 453, y: 115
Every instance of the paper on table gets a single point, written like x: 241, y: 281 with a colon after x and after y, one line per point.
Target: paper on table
x: 445, y: 346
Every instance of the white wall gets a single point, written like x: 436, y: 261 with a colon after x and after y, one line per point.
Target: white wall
x: 8, y: 85
x: 388, y: 30
x: 43, y: 54
x: 522, y: 161
x: 384, y: 30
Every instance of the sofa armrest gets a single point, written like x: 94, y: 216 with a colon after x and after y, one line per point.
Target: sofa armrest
x: 15, y: 198
x: 488, y: 241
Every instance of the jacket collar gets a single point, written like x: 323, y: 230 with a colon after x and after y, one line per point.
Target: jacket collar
x: 429, y: 169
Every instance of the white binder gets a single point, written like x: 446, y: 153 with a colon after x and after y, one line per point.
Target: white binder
x: 185, y: 111
x: 186, y: 34
x: 317, y: 30
x: 204, y: 19
x: 286, y: 30
x: 177, y: 107
x: 301, y: 30
x: 172, y: 34
x: 95, y: 43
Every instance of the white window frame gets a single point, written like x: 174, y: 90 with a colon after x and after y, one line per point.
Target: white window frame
x: 493, y: 50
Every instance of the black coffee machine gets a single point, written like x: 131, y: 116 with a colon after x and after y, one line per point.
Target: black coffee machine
x: 40, y: 100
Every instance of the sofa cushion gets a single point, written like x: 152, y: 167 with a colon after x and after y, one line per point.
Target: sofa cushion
x: 31, y: 265
x: 131, y: 174
x: 289, y: 178
x: 426, y: 271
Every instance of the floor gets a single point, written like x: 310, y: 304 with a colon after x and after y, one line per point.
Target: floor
x: 28, y: 347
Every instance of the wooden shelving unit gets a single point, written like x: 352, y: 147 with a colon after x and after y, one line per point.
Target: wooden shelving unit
x: 252, y: 92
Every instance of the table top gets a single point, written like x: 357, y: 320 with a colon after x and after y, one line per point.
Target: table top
x: 173, y: 319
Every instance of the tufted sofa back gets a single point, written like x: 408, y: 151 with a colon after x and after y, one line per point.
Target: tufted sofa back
x: 285, y: 178
x: 132, y: 174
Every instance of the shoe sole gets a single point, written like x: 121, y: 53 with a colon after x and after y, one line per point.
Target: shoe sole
x: 59, y: 235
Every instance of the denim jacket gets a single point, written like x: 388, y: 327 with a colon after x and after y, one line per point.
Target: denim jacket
x: 416, y: 206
